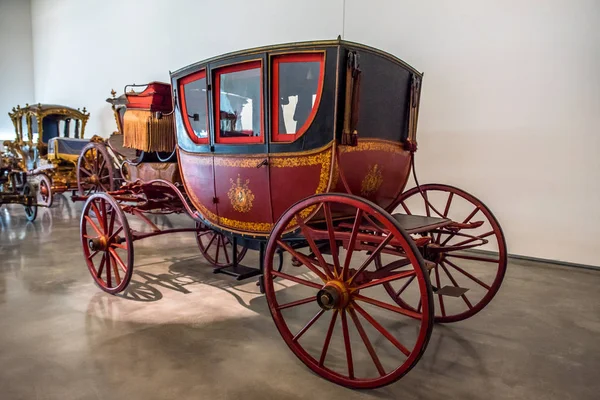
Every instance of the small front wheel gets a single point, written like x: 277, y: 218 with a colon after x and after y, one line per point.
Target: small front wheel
x: 216, y: 247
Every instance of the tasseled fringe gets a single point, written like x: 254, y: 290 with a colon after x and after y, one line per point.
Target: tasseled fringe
x: 143, y: 131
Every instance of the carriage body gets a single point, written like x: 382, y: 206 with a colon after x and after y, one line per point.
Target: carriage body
x: 302, y: 152
x: 261, y: 129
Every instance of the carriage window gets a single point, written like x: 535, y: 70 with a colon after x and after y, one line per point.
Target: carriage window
x: 193, y: 106
x: 297, y: 86
x: 238, y: 103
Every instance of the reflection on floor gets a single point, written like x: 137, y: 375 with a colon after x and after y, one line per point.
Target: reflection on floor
x: 180, y: 331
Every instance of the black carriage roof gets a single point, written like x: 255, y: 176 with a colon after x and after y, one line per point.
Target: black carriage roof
x: 295, y: 45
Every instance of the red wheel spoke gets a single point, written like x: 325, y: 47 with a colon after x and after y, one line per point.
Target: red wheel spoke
x: 347, y: 345
x: 390, y: 278
x: 314, y: 247
x: 447, y: 209
x: 328, y: 338
x: 119, y: 245
x: 101, y: 267
x: 419, y: 306
x: 93, y: 254
x: 474, y: 238
x: 115, y: 267
x: 219, y: 240
x: 426, y: 200
x: 474, y: 258
x: 403, y: 288
x: 351, y: 244
x: 465, y: 273
x: 387, y: 306
x: 104, y: 216
x: 85, y: 171
x: 367, y: 342
x: 212, y: 239
x: 115, y: 233
x: 464, y: 296
x: 296, y: 279
x: 332, y: 241
x: 301, y: 257
x: 308, y: 325
x: 111, y: 223
x: 225, y: 251
x: 371, y: 257
x: 297, y: 303
x: 108, y: 267
x: 406, y: 210
x: 91, y: 222
x: 118, y: 259
x: 99, y: 216
x: 381, y: 329
x: 102, y: 165
x: 439, y: 286
x: 471, y: 215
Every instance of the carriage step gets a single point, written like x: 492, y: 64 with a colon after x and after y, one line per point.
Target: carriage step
x: 240, y: 272
x: 451, y: 291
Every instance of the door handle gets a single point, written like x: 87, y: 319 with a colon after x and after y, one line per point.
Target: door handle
x: 263, y: 163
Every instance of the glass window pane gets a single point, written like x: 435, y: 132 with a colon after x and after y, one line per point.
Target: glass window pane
x: 298, y: 85
x: 240, y: 97
x: 195, y: 101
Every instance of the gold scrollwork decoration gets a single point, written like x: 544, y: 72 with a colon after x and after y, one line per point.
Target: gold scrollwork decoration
x: 240, y: 195
x: 372, y: 181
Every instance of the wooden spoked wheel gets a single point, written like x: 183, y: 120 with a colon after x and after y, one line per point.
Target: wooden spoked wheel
x: 470, y: 279
x: 94, y: 170
x: 216, y: 247
x: 332, y: 309
x: 44, y: 193
x: 30, y: 211
x: 107, y: 243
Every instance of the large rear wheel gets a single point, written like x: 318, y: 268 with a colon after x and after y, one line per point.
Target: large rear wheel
x: 331, y: 307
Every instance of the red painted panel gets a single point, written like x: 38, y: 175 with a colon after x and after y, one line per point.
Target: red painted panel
x: 291, y: 184
x: 242, y: 190
x: 198, y: 177
x: 156, y: 97
x: 376, y: 172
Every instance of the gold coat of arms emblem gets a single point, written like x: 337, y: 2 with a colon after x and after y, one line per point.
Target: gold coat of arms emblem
x: 240, y: 195
x: 372, y: 181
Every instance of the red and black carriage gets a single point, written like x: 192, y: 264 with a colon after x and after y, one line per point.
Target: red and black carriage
x: 302, y: 152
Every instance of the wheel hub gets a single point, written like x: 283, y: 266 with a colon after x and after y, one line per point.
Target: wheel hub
x: 333, y: 295
x: 93, y: 179
x: 98, y: 244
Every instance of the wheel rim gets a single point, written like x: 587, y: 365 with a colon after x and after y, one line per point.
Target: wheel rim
x: 94, y: 170
x: 216, y: 247
x: 481, y: 274
x: 365, y: 340
x: 45, y: 191
x: 30, y: 211
x: 107, y: 243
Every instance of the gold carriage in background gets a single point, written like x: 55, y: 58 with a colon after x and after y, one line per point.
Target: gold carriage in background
x: 43, y: 157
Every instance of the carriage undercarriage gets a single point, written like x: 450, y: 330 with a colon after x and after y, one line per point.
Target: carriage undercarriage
x: 332, y: 264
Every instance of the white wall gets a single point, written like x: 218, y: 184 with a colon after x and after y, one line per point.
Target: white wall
x: 107, y: 44
x: 510, y: 105
x: 510, y: 109
x: 16, y: 61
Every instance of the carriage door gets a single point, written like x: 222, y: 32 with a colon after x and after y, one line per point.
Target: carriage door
x: 240, y: 153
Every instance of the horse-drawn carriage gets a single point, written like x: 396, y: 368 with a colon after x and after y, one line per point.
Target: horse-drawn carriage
x: 42, y: 158
x: 274, y: 155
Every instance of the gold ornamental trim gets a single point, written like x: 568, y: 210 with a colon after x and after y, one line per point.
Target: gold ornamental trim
x: 373, y: 145
x: 322, y: 156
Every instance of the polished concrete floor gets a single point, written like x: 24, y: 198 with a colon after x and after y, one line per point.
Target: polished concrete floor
x: 181, y: 332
